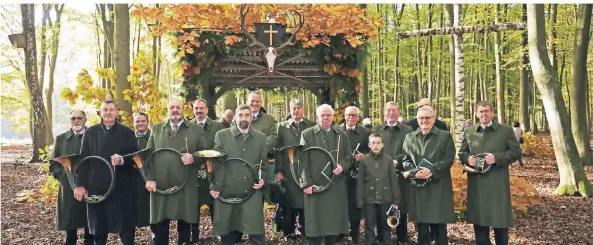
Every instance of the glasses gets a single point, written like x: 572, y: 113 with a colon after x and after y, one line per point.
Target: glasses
x: 424, y: 118
x: 76, y: 118
x: 351, y: 115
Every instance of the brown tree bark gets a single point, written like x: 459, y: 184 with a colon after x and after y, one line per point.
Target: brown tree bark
x: 121, y: 55
x: 37, y: 106
x: 572, y: 175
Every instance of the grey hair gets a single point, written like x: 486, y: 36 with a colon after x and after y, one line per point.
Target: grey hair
x: 200, y: 100
x: 392, y: 103
x: 227, y: 111
x: 324, y: 106
x: 353, y: 107
x: 254, y: 92
x: 243, y: 107
x: 296, y: 102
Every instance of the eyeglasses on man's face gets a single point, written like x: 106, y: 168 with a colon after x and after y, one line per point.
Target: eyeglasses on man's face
x: 76, y: 118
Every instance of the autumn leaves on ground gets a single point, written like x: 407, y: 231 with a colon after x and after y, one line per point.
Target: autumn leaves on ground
x: 555, y: 220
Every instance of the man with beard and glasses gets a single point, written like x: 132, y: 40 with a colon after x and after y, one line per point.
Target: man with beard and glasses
x: 142, y: 204
x: 430, y: 206
x: 232, y: 220
x: 70, y: 214
x: 227, y: 118
x: 187, y: 137
x: 393, y: 137
x: 210, y: 128
x: 489, y: 194
x: 109, y: 140
x: 359, y: 143
x: 289, y: 134
x: 326, y: 212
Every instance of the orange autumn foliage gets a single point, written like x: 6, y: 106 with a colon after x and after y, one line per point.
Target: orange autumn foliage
x: 321, y: 21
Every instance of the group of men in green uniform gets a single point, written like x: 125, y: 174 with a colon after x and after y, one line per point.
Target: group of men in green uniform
x: 345, y: 174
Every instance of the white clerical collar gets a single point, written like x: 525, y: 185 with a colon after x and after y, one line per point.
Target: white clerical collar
x: 485, y: 126
x: 81, y: 131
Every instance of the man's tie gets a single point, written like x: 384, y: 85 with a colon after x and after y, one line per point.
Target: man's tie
x: 175, y: 127
x: 201, y: 124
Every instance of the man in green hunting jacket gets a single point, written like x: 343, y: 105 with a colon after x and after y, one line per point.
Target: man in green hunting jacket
x: 326, y: 212
x: 430, y: 206
x: 393, y: 137
x: 168, y: 170
x: 289, y: 134
x: 70, y: 213
x: 264, y: 123
x: 377, y: 189
x: 232, y: 181
x: 210, y: 128
x: 357, y: 136
x: 489, y: 194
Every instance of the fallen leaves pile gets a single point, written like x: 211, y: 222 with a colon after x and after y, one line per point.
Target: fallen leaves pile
x: 558, y: 220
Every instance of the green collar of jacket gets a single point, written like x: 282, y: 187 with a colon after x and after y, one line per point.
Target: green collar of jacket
x: 433, y: 130
x: 236, y: 132
x: 307, y: 123
x: 384, y: 126
x: 317, y: 128
x: 71, y: 133
x: 168, y: 123
x: 494, y: 126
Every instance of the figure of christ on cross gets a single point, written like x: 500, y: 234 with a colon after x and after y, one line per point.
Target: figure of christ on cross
x: 271, y: 31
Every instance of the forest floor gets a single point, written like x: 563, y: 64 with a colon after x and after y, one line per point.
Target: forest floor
x: 558, y: 220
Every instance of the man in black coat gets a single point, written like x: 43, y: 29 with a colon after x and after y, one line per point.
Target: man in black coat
x: 437, y: 123
x: 109, y: 140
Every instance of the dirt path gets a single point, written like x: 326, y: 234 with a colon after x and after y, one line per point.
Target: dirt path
x: 559, y: 220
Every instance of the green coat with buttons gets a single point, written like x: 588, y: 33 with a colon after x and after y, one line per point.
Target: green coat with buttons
x: 289, y: 134
x: 70, y: 213
x: 393, y: 140
x: 359, y: 136
x: 167, y: 170
x: 236, y: 180
x: 210, y: 128
x: 432, y: 203
x: 377, y: 181
x: 326, y: 212
x: 489, y: 194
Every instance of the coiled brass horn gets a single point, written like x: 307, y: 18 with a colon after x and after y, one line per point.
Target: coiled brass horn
x: 209, y: 156
x: 480, y: 167
x: 290, y: 151
x: 393, y: 217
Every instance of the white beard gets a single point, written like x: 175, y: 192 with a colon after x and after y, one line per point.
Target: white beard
x: 76, y: 128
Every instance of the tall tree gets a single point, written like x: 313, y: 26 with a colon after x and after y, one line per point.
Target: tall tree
x: 45, y: 26
x: 37, y: 106
x: 572, y: 175
x: 580, y: 85
x: 53, y: 50
x: 459, y: 78
x: 451, y: 19
x: 524, y: 80
x: 121, y: 55
x: 499, y: 79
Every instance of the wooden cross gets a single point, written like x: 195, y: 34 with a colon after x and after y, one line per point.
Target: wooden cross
x: 271, y: 31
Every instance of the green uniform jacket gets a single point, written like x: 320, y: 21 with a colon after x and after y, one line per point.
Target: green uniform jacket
x: 210, y: 128
x: 326, y: 213
x: 225, y: 124
x: 359, y: 135
x: 377, y: 181
x: 70, y: 213
x: 289, y: 134
x: 393, y: 141
x: 142, y: 195
x: 489, y: 195
x: 234, y: 181
x: 433, y: 203
x: 167, y: 171
x: 266, y: 125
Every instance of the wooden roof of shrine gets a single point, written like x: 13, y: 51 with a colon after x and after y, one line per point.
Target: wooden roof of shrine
x: 294, y: 68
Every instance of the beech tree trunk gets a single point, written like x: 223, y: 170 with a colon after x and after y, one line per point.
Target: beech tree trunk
x: 121, y: 55
x: 572, y: 175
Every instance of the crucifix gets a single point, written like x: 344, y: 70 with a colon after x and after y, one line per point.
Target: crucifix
x: 271, y: 31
